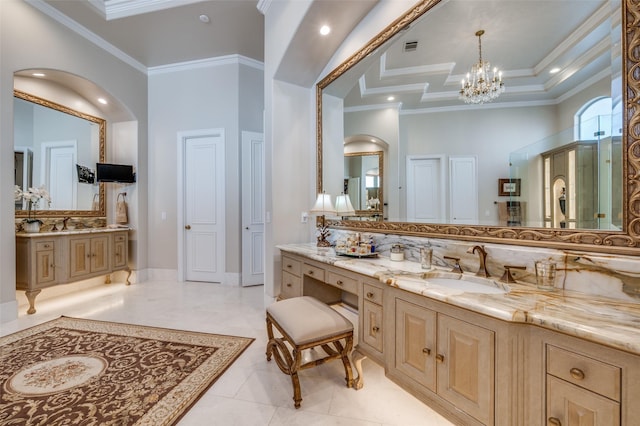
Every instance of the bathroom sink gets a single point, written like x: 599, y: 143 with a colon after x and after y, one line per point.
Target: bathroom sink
x: 465, y: 283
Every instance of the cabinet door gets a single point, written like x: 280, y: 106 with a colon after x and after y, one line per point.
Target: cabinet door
x: 465, y: 361
x: 79, y: 257
x: 100, y: 254
x: 119, y: 251
x: 372, y: 325
x: 415, y: 343
x: 570, y: 405
x: 45, y: 267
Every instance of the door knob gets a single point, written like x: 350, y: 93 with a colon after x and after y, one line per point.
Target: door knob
x: 187, y: 227
x: 247, y: 228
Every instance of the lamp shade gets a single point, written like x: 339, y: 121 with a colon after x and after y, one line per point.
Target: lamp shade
x: 323, y: 205
x: 344, y: 206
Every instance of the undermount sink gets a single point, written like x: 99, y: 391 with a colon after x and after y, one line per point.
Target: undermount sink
x: 469, y: 284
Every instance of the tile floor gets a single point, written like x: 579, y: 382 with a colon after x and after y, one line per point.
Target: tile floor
x: 253, y: 391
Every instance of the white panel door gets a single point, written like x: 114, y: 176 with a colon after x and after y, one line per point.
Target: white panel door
x: 204, y: 215
x: 59, y: 173
x: 252, y: 208
x: 425, y: 189
x: 463, y: 190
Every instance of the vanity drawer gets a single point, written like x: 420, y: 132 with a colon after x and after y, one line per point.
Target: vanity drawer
x: 119, y: 238
x: 313, y: 272
x: 291, y: 265
x: 585, y: 372
x: 291, y: 286
x: 44, y: 245
x: 345, y: 283
x: 372, y: 293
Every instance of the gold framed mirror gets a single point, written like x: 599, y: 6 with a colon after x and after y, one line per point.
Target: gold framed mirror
x: 80, y: 145
x: 626, y: 240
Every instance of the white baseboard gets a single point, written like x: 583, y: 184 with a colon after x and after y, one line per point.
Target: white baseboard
x: 157, y: 274
x: 231, y: 279
x: 8, y: 311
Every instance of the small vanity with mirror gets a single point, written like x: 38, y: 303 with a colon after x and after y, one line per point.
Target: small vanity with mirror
x: 56, y: 151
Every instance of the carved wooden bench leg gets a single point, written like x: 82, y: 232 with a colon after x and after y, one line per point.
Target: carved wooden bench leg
x: 31, y: 297
x: 356, y: 359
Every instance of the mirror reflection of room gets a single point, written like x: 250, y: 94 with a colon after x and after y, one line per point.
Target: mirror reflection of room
x: 411, y: 102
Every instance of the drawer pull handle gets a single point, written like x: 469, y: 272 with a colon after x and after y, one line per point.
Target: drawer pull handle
x: 555, y: 421
x: 310, y: 272
x: 376, y: 329
x: 339, y: 282
x: 440, y: 358
x: 289, y: 266
x: 370, y: 295
x: 289, y: 285
x: 426, y: 351
x: 576, y: 373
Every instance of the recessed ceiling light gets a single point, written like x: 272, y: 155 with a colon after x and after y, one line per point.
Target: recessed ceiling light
x: 204, y: 18
x: 38, y: 74
x: 325, y: 29
x: 103, y: 101
x: 554, y: 70
x: 391, y: 98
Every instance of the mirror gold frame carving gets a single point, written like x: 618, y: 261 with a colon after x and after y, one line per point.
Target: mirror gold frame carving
x: 102, y: 125
x: 626, y: 241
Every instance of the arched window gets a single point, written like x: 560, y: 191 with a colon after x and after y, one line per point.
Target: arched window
x: 594, y: 119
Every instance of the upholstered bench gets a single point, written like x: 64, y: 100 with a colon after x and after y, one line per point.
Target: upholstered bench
x: 304, y: 323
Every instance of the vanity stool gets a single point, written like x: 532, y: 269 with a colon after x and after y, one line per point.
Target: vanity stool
x: 304, y: 323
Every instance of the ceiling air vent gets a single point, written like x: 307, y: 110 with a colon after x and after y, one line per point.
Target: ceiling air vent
x: 410, y: 46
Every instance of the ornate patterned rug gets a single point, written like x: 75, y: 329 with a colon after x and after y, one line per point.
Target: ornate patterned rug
x: 83, y: 372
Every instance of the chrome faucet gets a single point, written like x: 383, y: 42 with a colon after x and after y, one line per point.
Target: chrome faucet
x: 64, y: 223
x: 482, y: 255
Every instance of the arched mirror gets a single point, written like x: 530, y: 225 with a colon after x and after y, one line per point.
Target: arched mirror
x: 58, y: 147
x: 554, y: 57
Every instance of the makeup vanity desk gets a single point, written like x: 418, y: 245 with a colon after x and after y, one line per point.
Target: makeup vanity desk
x: 46, y: 259
x: 524, y: 357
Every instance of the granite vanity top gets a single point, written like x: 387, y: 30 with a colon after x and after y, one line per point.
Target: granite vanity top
x: 610, y: 322
x: 69, y: 232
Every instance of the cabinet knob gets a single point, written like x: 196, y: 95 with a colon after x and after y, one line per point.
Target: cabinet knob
x: 310, y: 272
x: 289, y: 285
x: 289, y: 266
x: 52, y: 266
x: 187, y: 227
x: 576, y: 373
x: 554, y: 421
x: 88, y: 255
x: 376, y: 329
x: 440, y: 358
x: 370, y: 295
x: 426, y: 351
x: 339, y: 282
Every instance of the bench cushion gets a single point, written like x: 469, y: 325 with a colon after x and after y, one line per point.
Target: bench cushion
x: 306, y: 319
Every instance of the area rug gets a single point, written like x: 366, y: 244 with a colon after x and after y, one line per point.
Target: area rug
x: 82, y: 372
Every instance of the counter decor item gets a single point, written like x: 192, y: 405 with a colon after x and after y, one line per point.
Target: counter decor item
x: 545, y: 275
x: 356, y: 245
x: 397, y: 253
x: 32, y: 196
x: 426, y: 257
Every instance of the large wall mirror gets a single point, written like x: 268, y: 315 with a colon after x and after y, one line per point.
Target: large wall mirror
x: 563, y: 170
x: 58, y: 148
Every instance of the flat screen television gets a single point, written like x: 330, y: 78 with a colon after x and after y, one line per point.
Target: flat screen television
x: 115, y: 173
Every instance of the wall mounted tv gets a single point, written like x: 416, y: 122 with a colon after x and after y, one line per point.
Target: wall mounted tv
x: 115, y: 173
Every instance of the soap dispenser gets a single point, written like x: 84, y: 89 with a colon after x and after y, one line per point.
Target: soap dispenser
x: 397, y: 252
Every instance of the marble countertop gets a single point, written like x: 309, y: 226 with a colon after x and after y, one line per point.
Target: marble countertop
x: 69, y: 232
x: 610, y: 322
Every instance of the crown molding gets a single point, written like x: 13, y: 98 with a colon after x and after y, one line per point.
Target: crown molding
x: 206, y: 63
x: 114, y: 9
x: 263, y: 6
x: 87, y: 34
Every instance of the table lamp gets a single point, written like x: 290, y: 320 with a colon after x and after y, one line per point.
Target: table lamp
x: 322, y: 207
x: 344, y: 206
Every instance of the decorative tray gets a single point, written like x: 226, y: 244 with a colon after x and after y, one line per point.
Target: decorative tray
x: 357, y: 254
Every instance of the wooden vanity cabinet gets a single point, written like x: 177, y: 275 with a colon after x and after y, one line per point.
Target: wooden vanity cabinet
x: 88, y: 256
x: 291, y: 277
x: 451, y: 358
x: 371, y: 319
x: 575, y: 382
x: 47, y: 260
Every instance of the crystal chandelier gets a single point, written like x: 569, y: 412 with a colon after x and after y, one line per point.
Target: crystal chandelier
x: 482, y: 84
